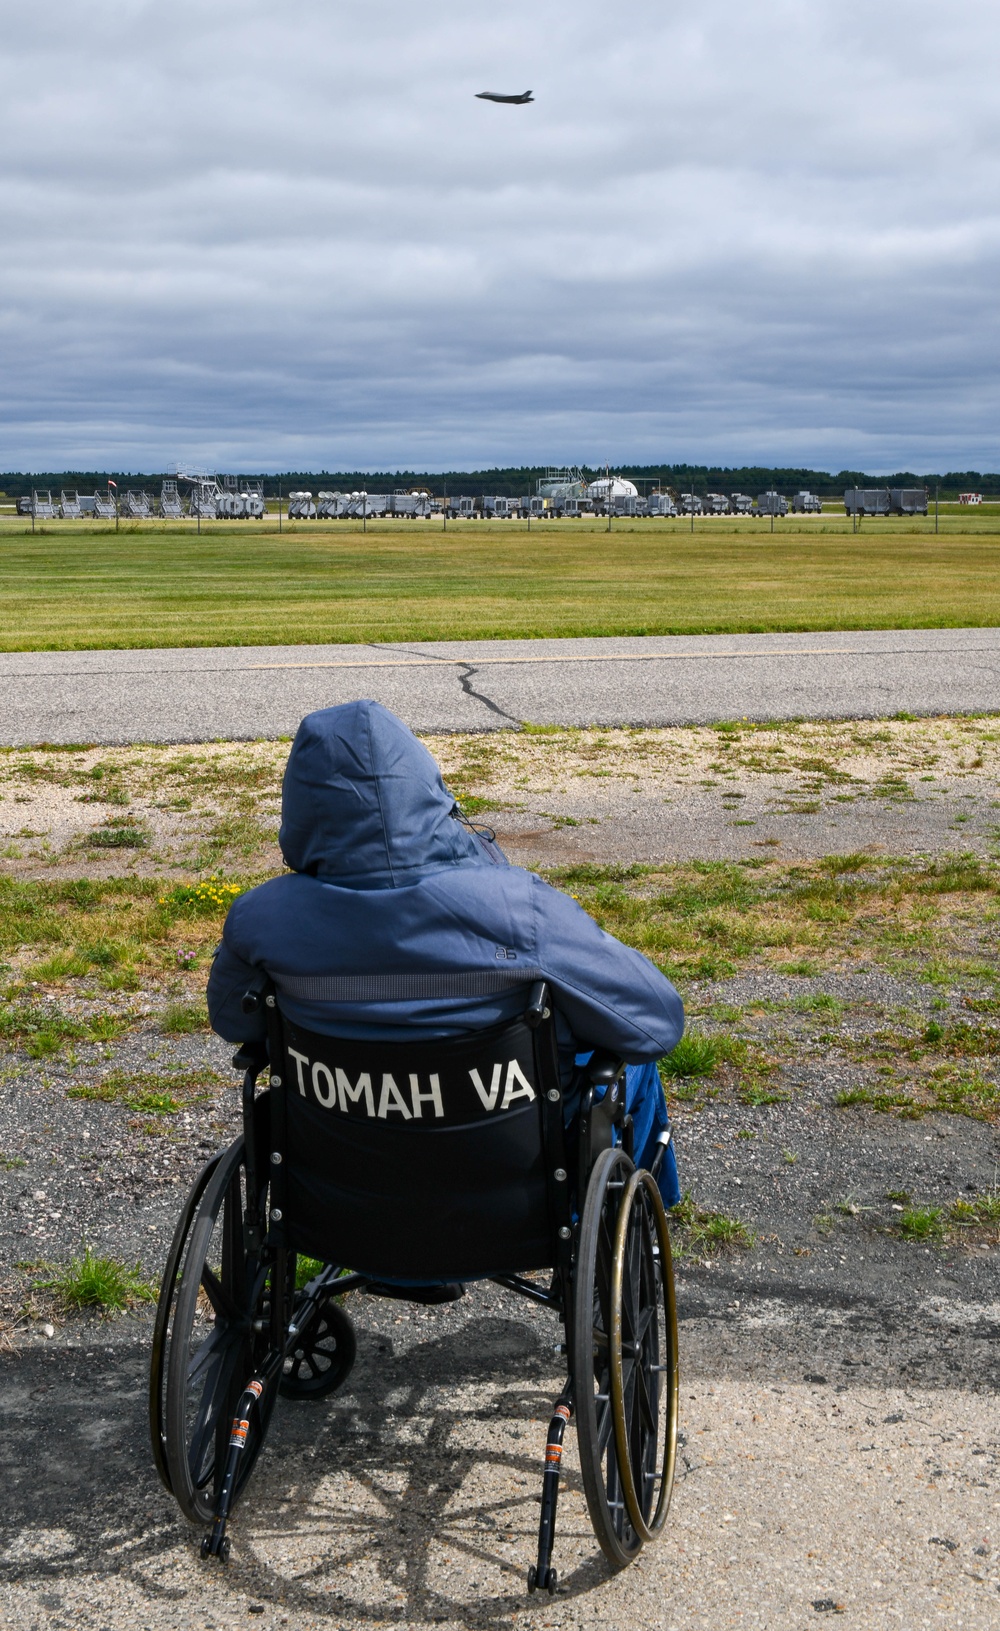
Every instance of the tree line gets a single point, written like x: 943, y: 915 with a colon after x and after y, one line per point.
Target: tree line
x: 508, y: 481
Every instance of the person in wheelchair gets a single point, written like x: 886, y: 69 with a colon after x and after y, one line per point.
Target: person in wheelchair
x: 387, y: 875
x: 444, y: 1041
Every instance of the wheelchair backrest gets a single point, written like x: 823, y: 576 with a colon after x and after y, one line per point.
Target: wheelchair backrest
x: 418, y: 1160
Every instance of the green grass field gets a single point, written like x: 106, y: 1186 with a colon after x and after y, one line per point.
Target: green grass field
x: 72, y: 586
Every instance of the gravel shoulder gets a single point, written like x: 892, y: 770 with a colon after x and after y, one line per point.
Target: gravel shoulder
x: 803, y: 788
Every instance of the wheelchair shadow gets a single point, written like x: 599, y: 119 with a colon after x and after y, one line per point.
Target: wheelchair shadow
x: 410, y: 1497
x: 416, y: 1496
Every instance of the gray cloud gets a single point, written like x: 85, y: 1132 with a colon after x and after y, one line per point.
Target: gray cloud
x: 272, y: 236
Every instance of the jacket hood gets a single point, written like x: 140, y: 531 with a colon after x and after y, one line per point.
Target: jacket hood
x: 363, y: 804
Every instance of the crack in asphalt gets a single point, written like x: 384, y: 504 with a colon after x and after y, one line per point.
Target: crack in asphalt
x: 467, y: 674
x: 465, y: 680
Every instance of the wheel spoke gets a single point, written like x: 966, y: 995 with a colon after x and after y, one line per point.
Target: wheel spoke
x: 646, y: 1317
x: 213, y: 1403
x: 643, y: 1402
x: 218, y: 1342
x: 605, y: 1426
x: 212, y: 1287
x: 323, y: 1354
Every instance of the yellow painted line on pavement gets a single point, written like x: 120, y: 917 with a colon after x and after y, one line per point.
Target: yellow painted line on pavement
x: 583, y: 657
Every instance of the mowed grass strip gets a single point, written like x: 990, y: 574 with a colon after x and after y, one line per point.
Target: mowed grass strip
x: 71, y: 587
x: 698, y: 920
x: 695, y: 919
x: 115, y: 934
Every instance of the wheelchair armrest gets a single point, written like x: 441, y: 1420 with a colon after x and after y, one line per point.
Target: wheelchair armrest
x: 603, y: 1068
x: 250, y: 1056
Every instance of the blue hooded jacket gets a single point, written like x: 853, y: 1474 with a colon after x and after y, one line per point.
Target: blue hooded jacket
x: 385, y: 879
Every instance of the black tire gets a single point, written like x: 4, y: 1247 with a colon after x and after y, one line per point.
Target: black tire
x: 644, y: 1363
x: 591, y: 1359
x: 164, y: 1316
x: 210, y: 1348
x: 323, y: 1355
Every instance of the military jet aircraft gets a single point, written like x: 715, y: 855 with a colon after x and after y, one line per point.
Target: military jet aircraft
x: 497, y: 96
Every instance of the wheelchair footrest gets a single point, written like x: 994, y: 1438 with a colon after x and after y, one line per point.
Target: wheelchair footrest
x: 448, y: 1293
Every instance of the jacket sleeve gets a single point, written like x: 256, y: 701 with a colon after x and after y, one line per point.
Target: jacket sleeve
x: 608, y: 994
x: 227, y: 982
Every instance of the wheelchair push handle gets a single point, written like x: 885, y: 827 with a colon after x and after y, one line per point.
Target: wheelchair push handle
x: 252, y: 1055
x: 539, y: 1005
x: 253, y: 996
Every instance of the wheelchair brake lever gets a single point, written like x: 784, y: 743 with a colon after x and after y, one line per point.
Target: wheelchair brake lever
x: 662, y: 1142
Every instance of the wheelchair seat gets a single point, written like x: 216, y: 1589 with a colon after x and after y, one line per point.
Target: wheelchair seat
x: 406, y: 1169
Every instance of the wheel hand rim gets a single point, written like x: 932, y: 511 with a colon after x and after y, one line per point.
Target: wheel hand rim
x: 631, y: 1445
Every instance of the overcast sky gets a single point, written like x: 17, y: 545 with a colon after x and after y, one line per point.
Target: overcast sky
x: 274, y: 236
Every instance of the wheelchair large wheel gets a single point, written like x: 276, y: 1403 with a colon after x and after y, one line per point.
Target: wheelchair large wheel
x: 164, y: 1321
x: 215, y: 1334
x: 644, y: 1369
x: 594, y: 1318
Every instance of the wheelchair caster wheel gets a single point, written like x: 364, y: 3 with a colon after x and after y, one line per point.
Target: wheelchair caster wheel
x: 547, y: 1583
x: 224, y: 1548
x: 206, y: 1546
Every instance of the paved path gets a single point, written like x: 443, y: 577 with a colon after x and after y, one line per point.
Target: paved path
x: 848, y: 1495
x: 201, y: 694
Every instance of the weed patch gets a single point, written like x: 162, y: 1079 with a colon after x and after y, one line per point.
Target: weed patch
x: 42, y: 1031
x: 693, y: 1056
x: 306, y: 1269
x: 103, y: 1283
x: 207, y: 899
x: 921, y: 1223
x: 183, y: 1018
x: 955, y: 1092
x: 150, y: 1092
x: 118, y: 838
x: 706, y: 1230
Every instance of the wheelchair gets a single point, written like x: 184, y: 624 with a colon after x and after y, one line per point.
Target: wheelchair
x: 407, y: 1170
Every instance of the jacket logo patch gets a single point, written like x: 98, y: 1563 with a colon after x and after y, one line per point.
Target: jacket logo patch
x: 410, y: 1095
x: 505, y: 954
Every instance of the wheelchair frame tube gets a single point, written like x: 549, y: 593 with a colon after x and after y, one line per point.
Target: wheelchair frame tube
x: 216, y: 1543
x: 278, y: 1088
x: 544, y: 1577
x: 557, y: 1188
